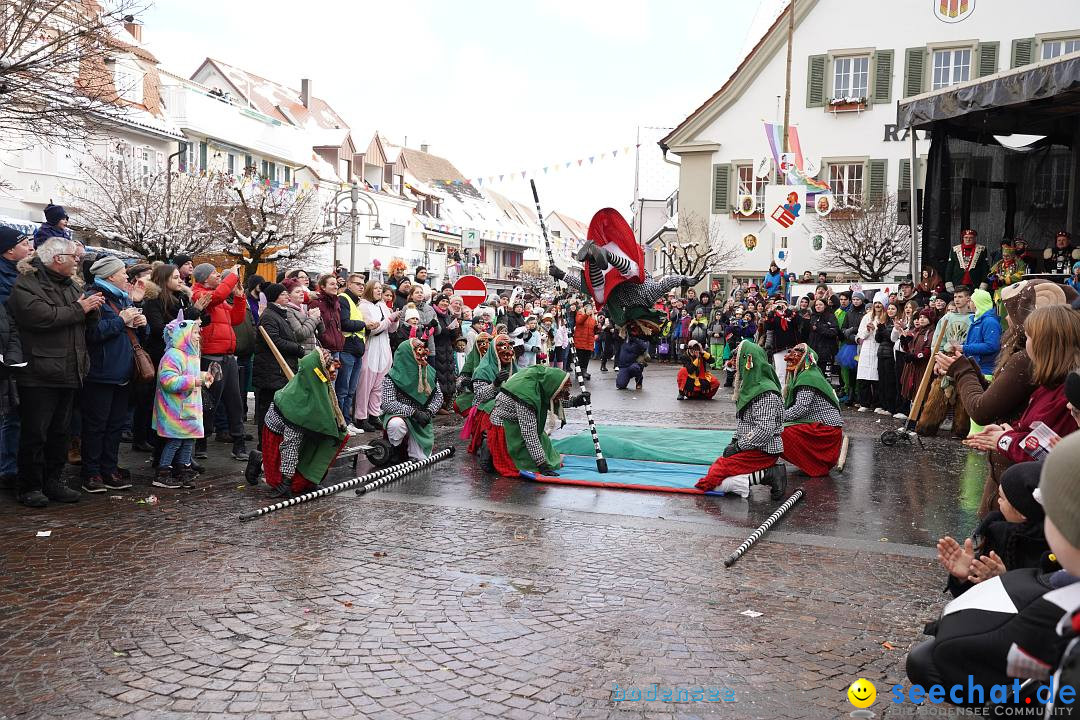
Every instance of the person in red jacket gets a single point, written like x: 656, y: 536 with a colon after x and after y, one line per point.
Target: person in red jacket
x: 1053, y: 346
x: 227, y: 308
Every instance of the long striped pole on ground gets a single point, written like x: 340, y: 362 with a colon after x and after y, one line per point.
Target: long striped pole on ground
x: 395, y: 476
x: 399, y: 471
x: 764, y: 527
x: 601, y: 463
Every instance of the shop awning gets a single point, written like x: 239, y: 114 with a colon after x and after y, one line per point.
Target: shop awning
x: 1039, y: 99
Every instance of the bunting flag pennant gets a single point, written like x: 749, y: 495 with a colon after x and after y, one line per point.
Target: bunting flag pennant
x: 523, y: 173
x: 626, y: 149
x: 479, y: 181
x: 500, y: 178
x: 545, y: 170
x: 591, y: 158
x: 579, y: 162
x: 567, y: 164
x: 614, y: 153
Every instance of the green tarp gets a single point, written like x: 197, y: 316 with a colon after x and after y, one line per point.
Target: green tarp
x: 672, y: 445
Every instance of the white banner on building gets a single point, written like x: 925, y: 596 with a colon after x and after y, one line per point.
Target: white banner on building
x: 784, y: 207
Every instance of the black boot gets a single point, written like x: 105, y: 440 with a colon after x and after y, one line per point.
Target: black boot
x: 58, y: 491
x: 593, y: 253
x: 200, y: 448
x: 33, y: 499
x: 486, y: 463
x: 239, y: 449
x: 776, y: 479
x: 370, y: 425
x: 254, y: 467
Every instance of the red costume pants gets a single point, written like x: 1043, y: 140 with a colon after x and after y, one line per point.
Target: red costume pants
x: 500, y: 456
x: 271, y: 450
x: 741, y: 463
x: 481, y: 423
x: 709, y: 386
x: 812, y: 447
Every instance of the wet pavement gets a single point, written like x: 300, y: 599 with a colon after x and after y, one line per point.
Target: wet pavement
x: 455, y: 594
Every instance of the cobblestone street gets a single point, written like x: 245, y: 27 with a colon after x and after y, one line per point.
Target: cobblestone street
x: 451, y: 594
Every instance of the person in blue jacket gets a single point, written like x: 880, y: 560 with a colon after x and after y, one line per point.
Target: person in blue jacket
x: 55, y: 225
x: 773, y: 282
x: 632, y: 360
x: 984, y: 336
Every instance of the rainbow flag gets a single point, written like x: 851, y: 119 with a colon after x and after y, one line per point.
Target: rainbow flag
x: 796, y: 176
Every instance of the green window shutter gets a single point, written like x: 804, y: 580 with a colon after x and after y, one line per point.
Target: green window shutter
x: 721, y: 181
x: 988, y: 58
x: 248, y: 162
x: 905, y: 174
x: 876, y: 186
x: 815, y: 81
x: 914, y: 73
x: 1023, y: 52
x: 202, y: 155
x: 882, y: 76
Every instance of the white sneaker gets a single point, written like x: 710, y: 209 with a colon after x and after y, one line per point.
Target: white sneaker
x: 900, y: 416
x: 353, y: 430
x: 881, y: 411
x: 860, y: 408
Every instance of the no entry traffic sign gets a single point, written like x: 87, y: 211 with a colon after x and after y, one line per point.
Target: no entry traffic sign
x: 471, y: 289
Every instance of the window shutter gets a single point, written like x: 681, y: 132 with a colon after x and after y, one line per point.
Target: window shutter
x: 914, y: 74
x: 721, y: 180
x: 988, y: 58
x: 1023, y: 52
x: 876, y: 186
x: 882, y: 76
x: 905, y: 174
x: 203, y: 151
x: 815, y: 81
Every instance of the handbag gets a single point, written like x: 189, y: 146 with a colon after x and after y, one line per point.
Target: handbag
x: 143, y: 367
x: 663, y: 349
x: 848, y: 357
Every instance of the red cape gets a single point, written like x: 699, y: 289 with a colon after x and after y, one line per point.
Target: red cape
x: 609, y: 227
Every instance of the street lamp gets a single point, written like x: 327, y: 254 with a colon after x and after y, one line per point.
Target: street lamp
x: 355, y: 194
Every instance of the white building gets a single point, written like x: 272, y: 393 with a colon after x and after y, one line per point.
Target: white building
x: 567, y: 235
x: 851, y: 62
x: 141, y: 134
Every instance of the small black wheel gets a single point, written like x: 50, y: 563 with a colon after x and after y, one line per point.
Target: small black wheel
x: 380, y: 452
x: 889, y: 438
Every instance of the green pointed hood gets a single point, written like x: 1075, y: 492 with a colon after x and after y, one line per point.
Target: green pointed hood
x: 405, y: 374
x: 308, y: 400
x: 471, y: 361
x: 754, y: 374
x: 535, y: 386
x: 809, y: 375
x: 983, y: 301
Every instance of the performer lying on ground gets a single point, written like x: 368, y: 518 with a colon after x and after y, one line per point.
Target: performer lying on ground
x: 410, y: 397
x: 614, y: 274
x: 304, y: 429
x: 695, y: 380
x: 518, y: 437
x: 464, y: 400
x: 491, y: 372
x: 751, y: 458
x: 812, y: 434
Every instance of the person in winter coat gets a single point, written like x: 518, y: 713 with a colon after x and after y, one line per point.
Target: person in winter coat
x: 166, y: 295
x: 354, y: 329
x: 585, y: 338
x: 226, y: 308
x: 516, y: 318
x: 55, y: 225
x: 278, y: 322
x: 699, y: 326
x: 447, y: 329
x: 11, y: 348
x: 849, y: 329
x: 178, y: 414
x: 773, y: 282
x: 52, y: 318
x: 867, y: 370
x: 530, y: 343
x: 717, y: 329
x: 783, y: 327
x: 106, y: 390
x: 14, y: 247
x: 694, y: 379
x: 984, y: 336
x: 823, y: 334
x: 326, y: 300
x: 888, y: 382
x: 402, y: 292
x: 633, y: 359
x: 382, y: 323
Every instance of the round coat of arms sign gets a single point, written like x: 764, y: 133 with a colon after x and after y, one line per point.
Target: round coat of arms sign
x: 952, y: 11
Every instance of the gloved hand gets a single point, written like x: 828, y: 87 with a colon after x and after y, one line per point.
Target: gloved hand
x: 579, y: 400
x: 421, y: 417
x: 501, y: 378
x: 556, y: 272
x: 547, y: 471
x: 732, y: 448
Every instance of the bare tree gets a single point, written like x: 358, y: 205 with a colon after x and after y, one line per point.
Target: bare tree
x: 866, y: 240
x: 699, y: 247
x: 260, y: 223
x: 152, y: 215
x: 55, y: 87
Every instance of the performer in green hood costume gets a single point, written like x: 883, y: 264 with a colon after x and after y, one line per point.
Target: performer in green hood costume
x: 751, y: 458
x: 304, y: 429
x: 518, y: 438
x: 493, y: 370
x: 410, y: 397
x: 812, y: 422
x: 464, y: 400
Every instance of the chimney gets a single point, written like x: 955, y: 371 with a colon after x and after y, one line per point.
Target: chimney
x: 423, y: 147
x: 135, y: 30
x: 305, y: 92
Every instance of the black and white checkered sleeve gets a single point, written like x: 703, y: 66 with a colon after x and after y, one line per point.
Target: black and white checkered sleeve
x: 292, y: 438
x: 391, y: 405
x: 761, y: 424
x: 483, y: 391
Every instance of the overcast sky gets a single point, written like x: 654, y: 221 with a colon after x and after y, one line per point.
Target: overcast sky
x: 496, y: 87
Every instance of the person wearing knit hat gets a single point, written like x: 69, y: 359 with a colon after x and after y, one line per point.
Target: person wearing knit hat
x: 185, y: 265
x: 273, y: 291
x: 14, y: 247
x: 266, y: 374
x: 202, y: 271
x: 849, y: 348
x: 108, y: 266
x: 9, y: 238
x: 55, y: 225
x: 412, y: 315
x: 983, y: 339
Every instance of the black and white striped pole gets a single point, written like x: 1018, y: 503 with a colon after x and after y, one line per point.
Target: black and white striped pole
x: 601, y: 463
x: 405, y: 470
x: 764, y: 527
x: 400, y: 470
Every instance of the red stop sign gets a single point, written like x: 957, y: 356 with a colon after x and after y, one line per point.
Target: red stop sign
x: 472, y: 290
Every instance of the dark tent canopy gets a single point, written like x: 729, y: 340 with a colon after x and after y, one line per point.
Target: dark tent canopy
x: 1002, y: 191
